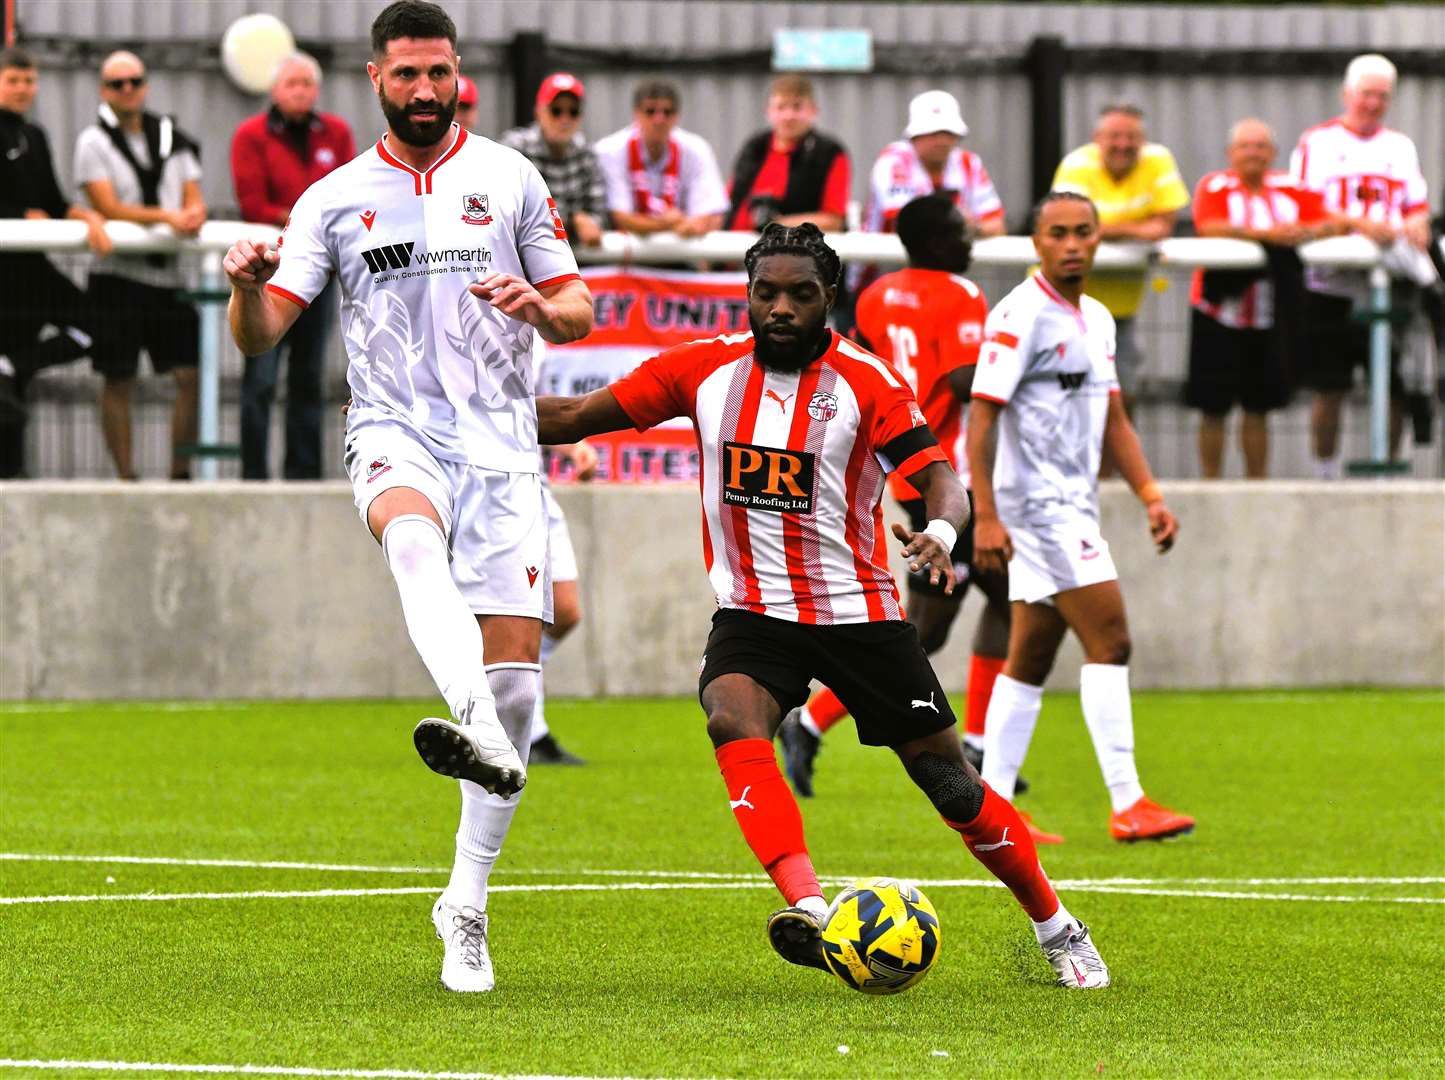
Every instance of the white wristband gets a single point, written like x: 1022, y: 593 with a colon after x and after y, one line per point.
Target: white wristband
x: 947, y: 535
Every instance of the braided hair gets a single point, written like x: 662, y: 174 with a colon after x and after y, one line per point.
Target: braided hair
x: 805, y: 239
x: 1058, y: 196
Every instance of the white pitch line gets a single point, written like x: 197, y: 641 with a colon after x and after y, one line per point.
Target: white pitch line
x: 269, y: 1070
x: 350, y: 868
x: 293, y: 894
x: 705, y: 875
x: 664, y: 886
x: 1210, y: 894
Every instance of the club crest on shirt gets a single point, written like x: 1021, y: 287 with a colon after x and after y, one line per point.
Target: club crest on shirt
x: 379, y: 467
x: 475, y: 210
x: 917, y: 414
x: 823, y: 406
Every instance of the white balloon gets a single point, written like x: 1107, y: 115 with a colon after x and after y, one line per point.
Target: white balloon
x: 253, y: 48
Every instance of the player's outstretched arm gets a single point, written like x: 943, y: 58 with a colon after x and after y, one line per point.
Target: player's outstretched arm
x: 947, y: 507
x: 1121, y: 442
x: 258, y: 319
x: 561, y: 313
x: 562, y: 420
x: 992, y: 548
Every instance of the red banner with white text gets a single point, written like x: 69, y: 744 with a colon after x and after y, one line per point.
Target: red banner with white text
x: 636, y: 314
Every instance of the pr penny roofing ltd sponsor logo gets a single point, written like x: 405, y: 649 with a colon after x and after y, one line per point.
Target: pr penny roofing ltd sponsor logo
x: 768, y: 478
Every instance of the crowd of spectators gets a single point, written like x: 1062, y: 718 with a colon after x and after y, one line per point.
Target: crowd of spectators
x: 1254, y: 335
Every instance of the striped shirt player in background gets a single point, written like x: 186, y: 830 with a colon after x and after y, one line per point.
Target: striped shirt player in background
x: 1370, y: 175
x: 798, y: 428
x: 1046, y: 393
x: 452, y: 261
x: 929, y: 319
x: 1233, y: 357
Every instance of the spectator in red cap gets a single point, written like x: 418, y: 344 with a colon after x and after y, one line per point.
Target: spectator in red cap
x: 555, y: 144
x: 790, y: 173
x: 466, y: 114
x: 275, y: 156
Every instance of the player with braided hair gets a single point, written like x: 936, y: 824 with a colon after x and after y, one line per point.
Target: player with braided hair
x: 798, y: 429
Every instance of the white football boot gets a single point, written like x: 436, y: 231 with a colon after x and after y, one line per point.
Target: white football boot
x: 1075, y: 959
x: 478, y: 751
x: 467, y: 966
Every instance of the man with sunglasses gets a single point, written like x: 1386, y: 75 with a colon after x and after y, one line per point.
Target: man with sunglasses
x: 555, y: 144
x: 135, y: 165
x: 659, y: 177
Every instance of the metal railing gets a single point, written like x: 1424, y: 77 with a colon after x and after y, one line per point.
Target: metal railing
x: 1016, y: 252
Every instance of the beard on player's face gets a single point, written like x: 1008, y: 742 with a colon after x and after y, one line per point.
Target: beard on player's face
x: 420, y: 123
x: 788, y: 353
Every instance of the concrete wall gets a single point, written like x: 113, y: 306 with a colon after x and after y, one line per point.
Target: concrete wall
x: 256, y: 591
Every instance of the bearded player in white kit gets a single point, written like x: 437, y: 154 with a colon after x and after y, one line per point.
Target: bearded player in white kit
x: 1046, y: 392
x: 452, y: 260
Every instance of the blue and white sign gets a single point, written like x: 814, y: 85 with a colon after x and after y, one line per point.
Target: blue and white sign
x: 822, y: 50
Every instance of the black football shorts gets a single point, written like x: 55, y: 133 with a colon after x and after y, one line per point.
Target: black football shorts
x: 878, y: 670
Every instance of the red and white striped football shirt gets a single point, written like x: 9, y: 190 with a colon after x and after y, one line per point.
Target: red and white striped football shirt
x: 1223, y: 197
x: 793, y: 469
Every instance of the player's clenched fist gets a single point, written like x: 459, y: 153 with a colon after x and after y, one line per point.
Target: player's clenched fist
x: 250, y: 263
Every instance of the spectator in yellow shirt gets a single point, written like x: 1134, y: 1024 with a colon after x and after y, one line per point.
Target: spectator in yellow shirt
x: 1137, y: 188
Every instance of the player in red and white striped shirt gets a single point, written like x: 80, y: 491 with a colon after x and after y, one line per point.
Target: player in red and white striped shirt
x: 798, y: 429
x: 1233, y: 357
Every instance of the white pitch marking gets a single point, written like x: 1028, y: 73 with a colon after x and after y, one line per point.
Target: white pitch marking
x: 293, y: 894
x: 125, y: 706
x: 351, y: 868
x: 662, y: 886
x: 266, y: 1070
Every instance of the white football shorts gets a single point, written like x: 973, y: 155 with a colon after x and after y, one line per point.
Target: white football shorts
x: 495, y: 522
x: 1054, y: 558
x: 559, y: 540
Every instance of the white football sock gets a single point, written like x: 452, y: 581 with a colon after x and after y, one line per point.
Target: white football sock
x: 805, y: 718
x: 1013, y: 710
x: 1329, y: 468
x: 816, y: 904
x: 486, y: 817
x: 441, y: 625
x: 540, y: 729
x: 1054, y: 925
x: 1104, y: 695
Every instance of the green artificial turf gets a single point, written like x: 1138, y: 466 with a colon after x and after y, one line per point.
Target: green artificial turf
x: 676, y: 979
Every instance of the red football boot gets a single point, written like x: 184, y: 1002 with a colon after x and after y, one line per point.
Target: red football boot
x: 1147, y: 820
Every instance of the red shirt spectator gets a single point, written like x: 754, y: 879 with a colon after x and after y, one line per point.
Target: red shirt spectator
x: 278, y: 154
x: 790, y: 173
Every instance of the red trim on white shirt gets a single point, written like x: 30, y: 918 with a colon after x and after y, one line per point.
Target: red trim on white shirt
x: 556, y: 280
x: 989, y: 397
x: 421, y: 179
x: 302, y: 304
x: 1057, y: 297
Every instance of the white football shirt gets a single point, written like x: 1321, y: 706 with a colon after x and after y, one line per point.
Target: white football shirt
x: 405, y: 245
x: 1052, y: 365
x: 1376, y: 177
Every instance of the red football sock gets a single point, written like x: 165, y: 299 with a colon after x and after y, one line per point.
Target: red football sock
x: 982, y: 671
x: 825, y: 710
x: 1000, y: 840
x: 768, y: 815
